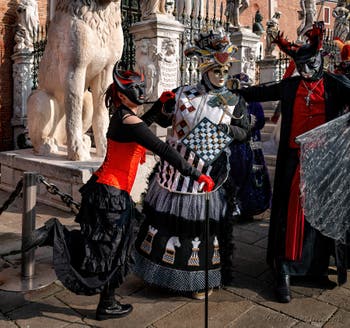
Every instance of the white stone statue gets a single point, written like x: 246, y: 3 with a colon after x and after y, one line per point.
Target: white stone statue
x: 85, y: 39
x: 235, y: 8
x: 272, y: 27
x: 146, y: 65
x: 186, y: 7
x: 152, y: 7
x: 248, y: 61
x: 307, y: 15
x: 342, y: 22
x: 168, y: 65
x: 27, y: 24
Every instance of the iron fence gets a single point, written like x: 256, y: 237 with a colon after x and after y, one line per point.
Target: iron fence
x: 194, y: 23
x: 131, y: 14
x: 39, y: 43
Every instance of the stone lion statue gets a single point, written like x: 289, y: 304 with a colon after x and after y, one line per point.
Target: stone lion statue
x: 85, y: 40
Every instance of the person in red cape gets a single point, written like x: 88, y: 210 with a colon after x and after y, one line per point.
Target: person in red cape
x: 307, y: 101
x: 96, y: 258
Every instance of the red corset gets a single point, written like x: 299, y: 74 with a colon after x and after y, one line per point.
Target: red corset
x: 120, y: 165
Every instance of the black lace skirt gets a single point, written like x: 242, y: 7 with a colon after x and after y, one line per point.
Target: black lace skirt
x: 85, y: 260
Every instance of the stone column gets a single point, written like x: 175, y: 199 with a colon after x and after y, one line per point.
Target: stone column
x: 157, y: 41
x: 22, y: 87
x: 157, y: 53
x: 26, y: 31
x: 249, y: 48
x: 269, y: 73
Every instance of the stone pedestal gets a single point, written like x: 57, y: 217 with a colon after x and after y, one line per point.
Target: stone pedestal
x: 157, y: 53
x: 68, y: 176
x: 269, y: 73
x: 249, y: 48
x: 268, y: 69
x: 157, y: 41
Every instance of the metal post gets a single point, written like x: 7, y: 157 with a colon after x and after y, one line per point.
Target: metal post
x: 28, y: 221
x: 25, y: 278
x: 206, y: 312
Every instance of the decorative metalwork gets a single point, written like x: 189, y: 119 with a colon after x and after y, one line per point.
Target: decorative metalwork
x: 330, y: 51
x: 194, y: 23
x: 131, y: 14
x: 39, y: 43
x: 283, y: 63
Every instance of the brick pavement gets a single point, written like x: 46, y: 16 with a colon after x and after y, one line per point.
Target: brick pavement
x: 249, y: 304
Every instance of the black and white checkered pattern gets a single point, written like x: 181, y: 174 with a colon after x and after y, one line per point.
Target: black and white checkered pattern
x: 207, y: 140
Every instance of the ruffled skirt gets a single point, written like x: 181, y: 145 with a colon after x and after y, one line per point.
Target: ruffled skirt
x: 170, y: 246
x: 86, y: 260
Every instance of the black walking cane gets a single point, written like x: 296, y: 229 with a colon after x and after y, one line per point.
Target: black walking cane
x: 206, y: 257
x: 206, y: 262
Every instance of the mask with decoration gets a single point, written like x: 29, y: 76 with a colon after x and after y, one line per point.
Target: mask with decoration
x: 129, y: 83
x: 214, y: 52
x: 307, y: 57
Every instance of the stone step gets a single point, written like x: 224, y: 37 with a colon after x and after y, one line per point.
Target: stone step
x: 265, y: 136
x: 268, y: 127
x: 270, y: 160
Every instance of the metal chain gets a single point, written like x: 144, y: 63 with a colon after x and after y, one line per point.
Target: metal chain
x: 66, y: 198
x: 13, y: 196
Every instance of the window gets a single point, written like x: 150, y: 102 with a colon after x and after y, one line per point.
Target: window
x: 327, y: 15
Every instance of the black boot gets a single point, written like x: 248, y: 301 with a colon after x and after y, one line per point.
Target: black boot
x: 109, y: 307
x: 40, y: 237
x: 282, y: 288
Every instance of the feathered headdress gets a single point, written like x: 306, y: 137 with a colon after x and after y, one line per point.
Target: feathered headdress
x: 301, y: 52
x: 212, y: 48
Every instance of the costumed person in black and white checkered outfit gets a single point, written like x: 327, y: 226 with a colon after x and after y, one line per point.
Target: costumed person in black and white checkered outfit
x: 170, y: 247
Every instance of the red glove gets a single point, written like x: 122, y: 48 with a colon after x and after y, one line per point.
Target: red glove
x: 166, y: 95
x: 208, y: 182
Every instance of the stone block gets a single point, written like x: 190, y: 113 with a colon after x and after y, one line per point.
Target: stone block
x: 7, y: 175
x: 259, y: 316
x: 68, y: 176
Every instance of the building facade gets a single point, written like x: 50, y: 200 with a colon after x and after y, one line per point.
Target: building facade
x: 288, y: 22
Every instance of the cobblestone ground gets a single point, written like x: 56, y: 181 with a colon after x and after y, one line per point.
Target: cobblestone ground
x: 249, y: 304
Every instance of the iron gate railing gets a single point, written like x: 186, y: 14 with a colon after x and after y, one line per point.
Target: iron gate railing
x: 194, y: 23
x: 131, y: 14
x: 39, y: 43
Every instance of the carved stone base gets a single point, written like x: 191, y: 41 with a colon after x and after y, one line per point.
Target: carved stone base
x: 249, y: 47
x: 68, y: 176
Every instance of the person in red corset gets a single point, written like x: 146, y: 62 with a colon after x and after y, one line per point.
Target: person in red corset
x: 96, y: 258
x: 307, y: 101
